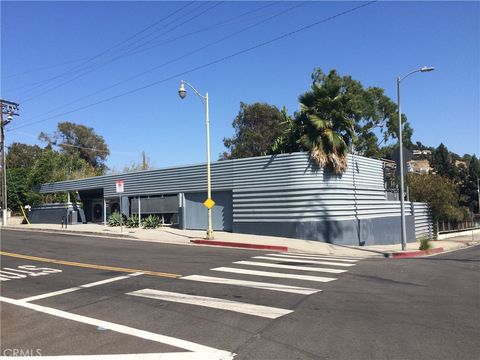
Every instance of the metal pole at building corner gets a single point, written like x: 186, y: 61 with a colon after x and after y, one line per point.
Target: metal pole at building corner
x: 400, y: 143
x: 401, y: 192
x: 182, y: 92
x: 209, y: 183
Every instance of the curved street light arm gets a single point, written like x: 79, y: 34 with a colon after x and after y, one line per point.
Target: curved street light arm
x: 194, y: 90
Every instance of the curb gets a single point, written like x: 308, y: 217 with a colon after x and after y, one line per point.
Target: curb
x: 240, y: 245
x: 415, y: 253
x: 73, y: 232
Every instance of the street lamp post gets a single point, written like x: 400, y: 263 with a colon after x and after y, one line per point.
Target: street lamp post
x: 400, y: 143
x: 182, y: 92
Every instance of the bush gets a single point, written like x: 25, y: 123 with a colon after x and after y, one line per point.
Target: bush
x: 425, y: 244
x: 114, y: 219
x: 151, y: 222
x: 132, y: 221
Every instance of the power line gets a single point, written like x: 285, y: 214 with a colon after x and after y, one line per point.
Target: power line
x: 179, y: 57
x: 208, y: 64
x: 94, y: 67
x: 103, y: 52
x: 82, y: 147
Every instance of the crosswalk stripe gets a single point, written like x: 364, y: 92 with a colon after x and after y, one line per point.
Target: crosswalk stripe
x: 235, y: 306
x: 340, y: 257
x: 272, y: 274
x: 305, y: 261
x: 312, y: 257
x: 252, y: 284
x: 290, y: 267
x: 320, y: 256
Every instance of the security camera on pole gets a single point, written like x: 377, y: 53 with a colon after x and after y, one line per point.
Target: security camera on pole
x: 10, y: 109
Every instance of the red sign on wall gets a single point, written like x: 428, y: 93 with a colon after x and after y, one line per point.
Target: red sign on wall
x: 119, y: 186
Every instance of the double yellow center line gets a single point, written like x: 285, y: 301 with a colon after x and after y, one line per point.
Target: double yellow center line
x: 90, y: 266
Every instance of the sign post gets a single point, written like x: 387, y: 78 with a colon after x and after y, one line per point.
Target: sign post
x: 119, y: 185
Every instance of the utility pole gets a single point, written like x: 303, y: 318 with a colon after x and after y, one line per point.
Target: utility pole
x: 10, y: 109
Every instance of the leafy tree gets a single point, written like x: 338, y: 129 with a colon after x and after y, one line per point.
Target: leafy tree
x: 442, y: 162
x: 440, y: 193
x: 21, y: 155
x: 74, y: 139
x: 288, y: 141
x: 469, y: 188
x: 256, y: 127
x: 326, y: 118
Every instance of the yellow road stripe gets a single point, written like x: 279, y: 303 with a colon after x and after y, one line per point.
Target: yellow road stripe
x: 90, y: 266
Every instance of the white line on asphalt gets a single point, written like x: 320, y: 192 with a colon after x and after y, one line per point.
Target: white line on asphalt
x: 252, y: 284
x: 305, y: 261
x: 179, y: 343
x: 312, y: 257
x: 290, y: 267
x: 244, y: 308
x: 272, y: 274
x: 69, y: 290
x: 340, y: 257
x: 318, y: 257
x: 150, y: 356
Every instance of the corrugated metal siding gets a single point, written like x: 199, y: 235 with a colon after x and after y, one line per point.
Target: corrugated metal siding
x: 268, y: 188
x: 423, y: 220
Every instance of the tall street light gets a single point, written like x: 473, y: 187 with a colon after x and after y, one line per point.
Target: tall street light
x: 400, y: 143
x: 182, y: 92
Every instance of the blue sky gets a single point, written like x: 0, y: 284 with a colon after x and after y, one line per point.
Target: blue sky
x: 374, y: 44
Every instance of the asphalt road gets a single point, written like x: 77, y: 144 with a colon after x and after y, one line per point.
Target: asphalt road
x: 146, y: 297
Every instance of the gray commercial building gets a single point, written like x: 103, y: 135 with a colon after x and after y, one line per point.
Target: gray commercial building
x: 281, y: 195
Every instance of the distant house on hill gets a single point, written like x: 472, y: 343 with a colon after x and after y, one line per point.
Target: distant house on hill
x: 419, y: 166
x: 459, y: 163
x: 421, y: 152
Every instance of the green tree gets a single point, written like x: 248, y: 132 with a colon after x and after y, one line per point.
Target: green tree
x: 442, y: 162
x: 440, y: 193
x: 21, y: 155
x: 288, y: 140
x: 81, y: 141
x: 469, y: 188
x: 256, y: 127
x: 326, y: 117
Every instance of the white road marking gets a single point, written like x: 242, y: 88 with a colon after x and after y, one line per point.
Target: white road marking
x: 272, y: 274
x: 305, y: 261
x: 65, y: 291
x: 312, y: 257
x: 252, y: 284
x: 290, y: 267
x: 244, y: 308
x: 315, y: 257
x: 215, y: 355
x: 179, y: 343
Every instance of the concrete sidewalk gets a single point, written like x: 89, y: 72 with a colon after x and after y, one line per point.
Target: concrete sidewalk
x: 184, y: 237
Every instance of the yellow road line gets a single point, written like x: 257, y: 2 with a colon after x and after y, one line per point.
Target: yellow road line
x: 90, y: 266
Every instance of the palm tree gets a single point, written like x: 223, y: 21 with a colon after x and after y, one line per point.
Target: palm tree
x: 326, y: 127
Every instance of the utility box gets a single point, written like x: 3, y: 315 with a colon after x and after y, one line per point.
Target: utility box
x: 73, y: 217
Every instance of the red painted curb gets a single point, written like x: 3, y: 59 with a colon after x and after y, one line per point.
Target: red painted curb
x: 409, y: 254
x: 241, y: 245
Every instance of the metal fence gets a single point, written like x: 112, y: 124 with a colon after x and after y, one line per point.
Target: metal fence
x: 423, y: 221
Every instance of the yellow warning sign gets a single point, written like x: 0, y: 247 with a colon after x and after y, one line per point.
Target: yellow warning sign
x: 209, y: 203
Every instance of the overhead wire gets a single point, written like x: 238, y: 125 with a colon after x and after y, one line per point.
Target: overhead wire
x: 297, y: 5
x: 206, y: 65
x: 103, y: 52
x: 96, y: 66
